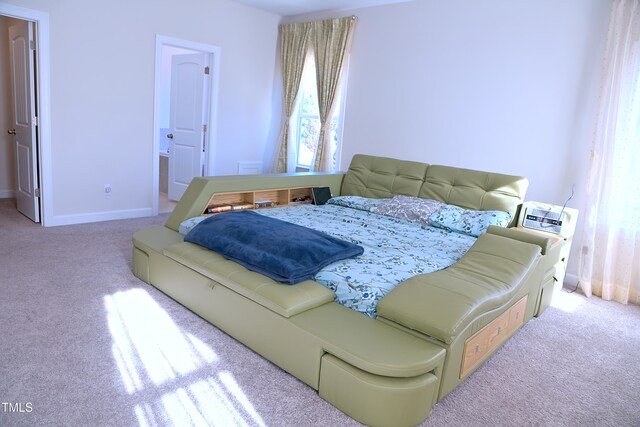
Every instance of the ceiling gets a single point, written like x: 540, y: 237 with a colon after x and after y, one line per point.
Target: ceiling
x: 297, y: 7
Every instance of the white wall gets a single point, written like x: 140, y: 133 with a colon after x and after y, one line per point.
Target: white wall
x: 7, y: 150
x: 494, y: 85
x: 102, y: 88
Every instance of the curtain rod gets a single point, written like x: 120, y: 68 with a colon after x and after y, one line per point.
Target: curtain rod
x: 353, y: 18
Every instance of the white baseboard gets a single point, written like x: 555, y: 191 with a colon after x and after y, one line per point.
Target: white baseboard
x: 7, y: 194
x: 97, y: 217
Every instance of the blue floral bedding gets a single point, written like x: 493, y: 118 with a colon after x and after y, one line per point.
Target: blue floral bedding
x: 394, y: 250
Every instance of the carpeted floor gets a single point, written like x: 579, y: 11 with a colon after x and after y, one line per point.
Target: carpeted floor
x: 85, y: 343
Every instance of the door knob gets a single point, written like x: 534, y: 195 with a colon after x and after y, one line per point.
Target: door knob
x: 11, y: 131
x: 170, y: 135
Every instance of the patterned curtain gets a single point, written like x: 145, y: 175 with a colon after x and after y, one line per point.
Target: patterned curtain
x: 330, y: 41
x: 294, y: 40
x: 610, y: 255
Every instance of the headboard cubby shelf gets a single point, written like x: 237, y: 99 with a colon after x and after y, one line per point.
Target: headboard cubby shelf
x: 222, y: 202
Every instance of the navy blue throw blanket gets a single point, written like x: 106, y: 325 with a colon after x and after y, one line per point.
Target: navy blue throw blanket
x: 286, y: 252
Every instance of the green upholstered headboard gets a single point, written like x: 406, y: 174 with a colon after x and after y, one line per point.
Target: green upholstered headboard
x: 379, y: 177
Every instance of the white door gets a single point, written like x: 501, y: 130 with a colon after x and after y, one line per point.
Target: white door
x: 22, y: 50
x: 186, y: 121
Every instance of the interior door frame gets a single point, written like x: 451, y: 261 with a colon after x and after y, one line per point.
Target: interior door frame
x: 43, y: 100
x: 210, y: 138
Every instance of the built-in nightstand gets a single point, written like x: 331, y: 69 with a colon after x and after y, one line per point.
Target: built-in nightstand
x: 557, y: 254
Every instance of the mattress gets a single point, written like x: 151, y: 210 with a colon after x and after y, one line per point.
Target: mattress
x: 394, y: 249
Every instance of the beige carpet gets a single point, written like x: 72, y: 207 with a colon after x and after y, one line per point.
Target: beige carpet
x: 85, y: 343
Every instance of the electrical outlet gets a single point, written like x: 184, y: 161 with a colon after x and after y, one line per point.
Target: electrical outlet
x: 107, y: 189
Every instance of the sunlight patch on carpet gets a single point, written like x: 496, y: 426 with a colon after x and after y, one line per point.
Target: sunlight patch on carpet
x: 154, y: 357
x: 231, y: 385
x: 567, y: 302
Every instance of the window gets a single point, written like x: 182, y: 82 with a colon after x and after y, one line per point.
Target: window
x: 611, y: 238
x: 306, y: 126
x: 620, y: 201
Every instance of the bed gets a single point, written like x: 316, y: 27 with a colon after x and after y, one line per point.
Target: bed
x: 383, y: 335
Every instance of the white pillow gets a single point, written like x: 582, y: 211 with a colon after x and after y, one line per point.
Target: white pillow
x: 409, y: 208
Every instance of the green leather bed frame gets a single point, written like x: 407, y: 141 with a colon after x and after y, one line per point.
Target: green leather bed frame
x: 431, y: 332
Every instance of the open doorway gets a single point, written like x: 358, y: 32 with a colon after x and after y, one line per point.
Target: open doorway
x: 25, y: 144
x: 184, y: 116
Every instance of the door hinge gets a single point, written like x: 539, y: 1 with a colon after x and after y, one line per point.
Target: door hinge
x: 206, y: 70
x: 35, y: 121
x: 32, y: 45
x: 36, y: 192
x: 204, y: 128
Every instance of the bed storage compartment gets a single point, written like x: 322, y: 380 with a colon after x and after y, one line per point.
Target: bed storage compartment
x: 376, y: 373
x: 488, y: 339
x: 282, y: 299
x: 376, y: 400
